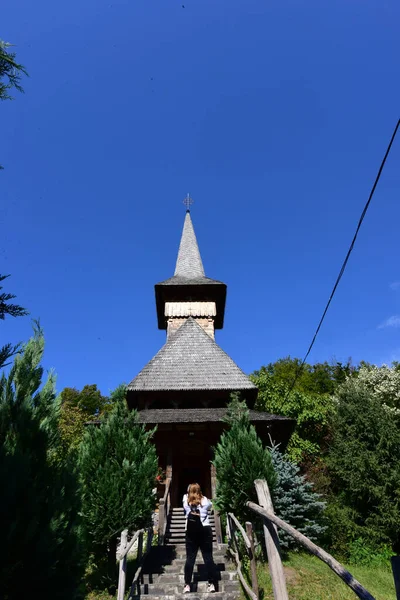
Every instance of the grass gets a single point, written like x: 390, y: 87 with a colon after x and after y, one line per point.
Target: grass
x: 308, y: 578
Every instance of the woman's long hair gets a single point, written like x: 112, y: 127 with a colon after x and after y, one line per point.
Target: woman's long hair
x: 194, y: 494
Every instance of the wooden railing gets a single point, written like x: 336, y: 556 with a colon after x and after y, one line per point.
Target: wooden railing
x: 163, y: 511
x: 140, y: 556
x: 270, y: 521
x: 234, y: 527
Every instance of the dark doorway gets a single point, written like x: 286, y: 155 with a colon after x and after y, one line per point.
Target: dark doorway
x: 190, y: 465
x: 189, y: 475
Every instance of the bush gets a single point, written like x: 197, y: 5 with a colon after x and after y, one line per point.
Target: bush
x: 364, y: 462
x: 295, y: 501
x: 240, y: 458
x: 39, y: 500
x: 118, y: 465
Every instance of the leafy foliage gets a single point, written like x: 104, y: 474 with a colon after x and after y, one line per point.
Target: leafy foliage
x: 295, y: 501
x: 39, y: 499
x: 13, y: 310
x: 10, y: 71
x: 310, y: 409
x: 118, y: 465
x: 240, y: 458
x: 364, y: 461
x: 77, y: 408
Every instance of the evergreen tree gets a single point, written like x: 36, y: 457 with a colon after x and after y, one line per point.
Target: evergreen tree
x: 364, y: 460
x: 13, y: 310
x: 118, y: 465
x: 10, y: 73
x: 39, y: 496
x: 240, y: 458
x: 295, y: 501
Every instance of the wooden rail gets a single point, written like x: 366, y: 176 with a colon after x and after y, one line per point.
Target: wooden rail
x: 123, y: 554
x: 163, y: 511
x: 233, y: 526
x: 273, y: 548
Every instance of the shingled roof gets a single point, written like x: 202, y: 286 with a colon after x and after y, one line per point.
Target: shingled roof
x: 199, y: 415
x: 191, y: 360
x: 189, y: 263
x: 189, y: 268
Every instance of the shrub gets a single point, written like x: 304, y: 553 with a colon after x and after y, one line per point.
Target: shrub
x: 240, y: 458
x: 295, y: 501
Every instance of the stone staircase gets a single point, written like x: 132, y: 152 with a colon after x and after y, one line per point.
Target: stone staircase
x: 175, y: 533
x: 162, y: 577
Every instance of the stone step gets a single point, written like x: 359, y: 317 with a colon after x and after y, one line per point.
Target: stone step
x: 200, y: 587
x: 178, y: 577
x: 194, y: 596
x: 177, y: 568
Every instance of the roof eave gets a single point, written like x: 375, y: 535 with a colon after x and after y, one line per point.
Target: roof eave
x: 215, y: 292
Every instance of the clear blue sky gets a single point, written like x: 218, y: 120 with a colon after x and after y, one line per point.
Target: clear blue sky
x: 273, y: 115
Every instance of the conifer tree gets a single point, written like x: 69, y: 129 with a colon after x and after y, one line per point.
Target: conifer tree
x: 240, y: 458
x: 39, y: 495
x: 295, y: 501
x: 118, y: 465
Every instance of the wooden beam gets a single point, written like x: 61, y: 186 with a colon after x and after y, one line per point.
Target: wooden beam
x: 314, y: 549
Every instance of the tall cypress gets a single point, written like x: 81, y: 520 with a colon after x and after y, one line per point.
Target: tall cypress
x: 118, y: 465
x: 39, y: 500
x: 240, y: 458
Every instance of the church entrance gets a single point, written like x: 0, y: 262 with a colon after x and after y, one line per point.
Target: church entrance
x: 191, y: 464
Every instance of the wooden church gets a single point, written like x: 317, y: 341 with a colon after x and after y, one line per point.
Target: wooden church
x: 186, y: 387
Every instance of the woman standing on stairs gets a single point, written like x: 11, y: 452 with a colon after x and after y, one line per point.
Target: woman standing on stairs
x: 198, y: 535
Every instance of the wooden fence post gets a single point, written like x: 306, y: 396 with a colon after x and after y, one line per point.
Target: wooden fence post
x: 161, y: 521
x: 395, y: 560
x: 122, y: 567
x: 140, y: 547
x: 253, y: 564
x: 217, y: 517
x: 272, y: 543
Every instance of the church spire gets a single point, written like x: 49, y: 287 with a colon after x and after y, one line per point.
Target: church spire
x: 189, y: 263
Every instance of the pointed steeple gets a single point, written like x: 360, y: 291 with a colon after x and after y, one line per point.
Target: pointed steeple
x: 189, y: 289
x: 189, y: 263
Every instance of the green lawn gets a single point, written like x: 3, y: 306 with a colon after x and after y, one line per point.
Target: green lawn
x: 308, y: 578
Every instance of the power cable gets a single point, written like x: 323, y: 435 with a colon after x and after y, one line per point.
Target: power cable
x: 300, y: 368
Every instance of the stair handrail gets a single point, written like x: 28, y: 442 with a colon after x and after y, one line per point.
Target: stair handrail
x: 271, y: 521
x: 122, y: 555
x: 233, y: 526
x: 164, y: 509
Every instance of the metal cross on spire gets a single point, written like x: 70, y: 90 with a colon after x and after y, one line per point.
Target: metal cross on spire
x: 188, y: 201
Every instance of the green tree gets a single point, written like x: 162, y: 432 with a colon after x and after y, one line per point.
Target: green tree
x: 311, y: 410
x: 118, y: 465
x: 364, y: 462
x: 39, y: 500
x: 77, y: 408
x: 239, y: 459
x: 12, y: 310
x: 295, y: 501
x: 10, y: 72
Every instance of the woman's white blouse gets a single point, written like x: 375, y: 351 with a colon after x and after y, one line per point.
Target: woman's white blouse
x: 204, y: 509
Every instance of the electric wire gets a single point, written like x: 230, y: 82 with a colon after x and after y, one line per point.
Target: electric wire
x: 343, y: 267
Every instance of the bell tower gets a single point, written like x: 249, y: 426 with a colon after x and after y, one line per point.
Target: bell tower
x: 189, y: 293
